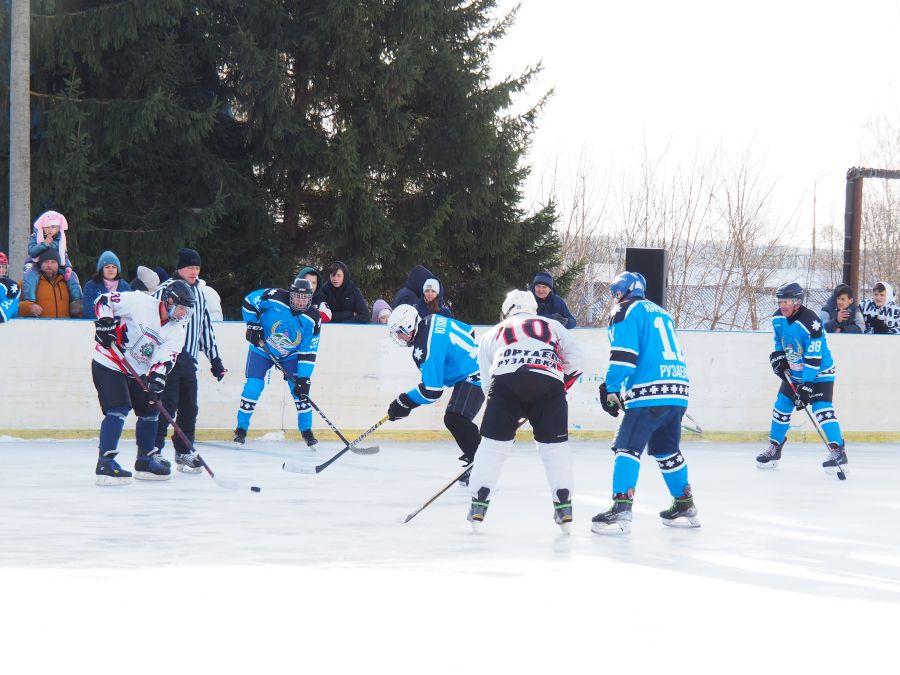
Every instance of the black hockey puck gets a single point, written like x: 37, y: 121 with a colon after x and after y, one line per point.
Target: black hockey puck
x: 253, y: 488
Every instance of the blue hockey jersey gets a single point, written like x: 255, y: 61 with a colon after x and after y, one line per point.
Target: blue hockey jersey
x: 645, y: 357
x: 445, y: 352
x: 286, y: 334
x: 802, y: 338
x: 10, y: 294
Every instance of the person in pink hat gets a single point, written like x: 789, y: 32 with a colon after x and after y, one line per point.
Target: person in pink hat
x: 49, y: 234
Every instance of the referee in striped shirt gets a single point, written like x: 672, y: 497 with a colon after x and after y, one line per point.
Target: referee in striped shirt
x: 180, y: 395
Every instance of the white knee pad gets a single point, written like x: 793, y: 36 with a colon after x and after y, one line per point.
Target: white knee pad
x: 488, y: 464
x: 557, y: 458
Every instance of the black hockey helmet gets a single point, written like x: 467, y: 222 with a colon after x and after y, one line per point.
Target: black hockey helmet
x: 180, y: 295
x: 301, y: 294
x: 790, y: 291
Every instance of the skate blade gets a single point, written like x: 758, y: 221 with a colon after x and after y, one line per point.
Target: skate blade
x: 112, y: 480
x: 767, y: 465
x: 566, y: 527
x: 682, y: 522
x: 147, y: 475
x: 188, y: 469
x: 622, y: 527
x: 476, y: 525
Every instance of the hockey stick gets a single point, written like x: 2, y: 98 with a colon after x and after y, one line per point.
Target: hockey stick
x: 296, y: 467
x: 434, y: 497
x: 120, y: 357
x: 691, y: 425
x: 841, y: 474
x: 371, y: 450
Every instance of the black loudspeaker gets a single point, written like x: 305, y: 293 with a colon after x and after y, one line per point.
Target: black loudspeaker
x: 653, y: 263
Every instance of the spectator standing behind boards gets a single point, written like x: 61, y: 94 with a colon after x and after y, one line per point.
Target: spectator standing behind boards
x: 108, y: 279
x: 343, y: 296
x: 881, y: 313
x: 549, y: 303
x: 411, y: 292
x: 146, y: 280
x: 180, y: 393
x: 312, y: 275
x: 840, y: 314
x: 381, y: 311
x: 9, y: 292
x: 432, y: 301
x: 52, y: 298
x: 49, y: 234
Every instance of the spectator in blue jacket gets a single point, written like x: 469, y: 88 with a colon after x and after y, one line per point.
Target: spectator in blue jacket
x: 548, y: 302
x: 108, y: 279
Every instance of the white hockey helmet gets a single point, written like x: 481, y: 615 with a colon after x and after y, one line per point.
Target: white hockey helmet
x: 402, y: 324
x: 518, y: 302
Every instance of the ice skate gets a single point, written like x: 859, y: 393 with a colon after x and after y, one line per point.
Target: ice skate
x: 188, y: 462
x: 152, y: 467
x: 682, y: 513
x: 309, y: 438
x: 109, y: 472
x: 464, y: 478
x: 838, y: 458
x: 769, y: 458
x: 240, y: 435
x: 478, y: 508
x: 562, y: 511
x: 615, y: 521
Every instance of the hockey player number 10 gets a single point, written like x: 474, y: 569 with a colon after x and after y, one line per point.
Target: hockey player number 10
x: 667, y: 331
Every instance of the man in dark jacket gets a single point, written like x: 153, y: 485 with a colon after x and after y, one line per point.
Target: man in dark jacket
x: 343, y: 297
x: 411, y: 292
x: 549, y: 303
x: 840, y: 314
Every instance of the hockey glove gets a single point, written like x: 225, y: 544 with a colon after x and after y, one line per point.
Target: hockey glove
x: 217, y: 369
x: 779, y: 363
x: 254, y: 334
x: 156, y: 382
x: 401, y: 407
x: 610, y: 400
x: 804, y: 395
x: 105, y: 331
x: 301, y: 388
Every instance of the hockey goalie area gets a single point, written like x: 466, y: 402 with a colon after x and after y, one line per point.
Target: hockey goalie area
x: 792, y: 570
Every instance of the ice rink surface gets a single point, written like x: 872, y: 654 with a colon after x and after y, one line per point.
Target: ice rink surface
x: 792, y: 570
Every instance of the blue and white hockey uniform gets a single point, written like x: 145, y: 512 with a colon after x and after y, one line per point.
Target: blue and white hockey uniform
x: 802, y: 339
x: 291, y: 338
x: 10, y: 293
x: 645, y: 357
x: 446, y: 353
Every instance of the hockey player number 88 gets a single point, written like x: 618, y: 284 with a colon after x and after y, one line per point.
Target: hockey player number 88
x: 668, y: 354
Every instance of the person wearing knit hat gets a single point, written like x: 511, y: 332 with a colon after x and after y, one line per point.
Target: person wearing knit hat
x: 549, y: 303
x: 432, y: 301
x: 180, y: 395
x: 146, y: 280
x: 52, y: 298
x: 9, y: 292
x: 49, y: 233
x: 108, y: 279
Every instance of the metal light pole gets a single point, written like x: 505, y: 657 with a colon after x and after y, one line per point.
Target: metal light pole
x: 19, y: 131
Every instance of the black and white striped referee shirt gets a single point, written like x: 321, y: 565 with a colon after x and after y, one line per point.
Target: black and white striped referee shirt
x: 200, y: 334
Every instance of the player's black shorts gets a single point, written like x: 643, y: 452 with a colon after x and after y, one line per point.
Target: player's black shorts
x: 466, y: 400
x: 540, y: 399
x: 823, y: 392
x: 115, y: 390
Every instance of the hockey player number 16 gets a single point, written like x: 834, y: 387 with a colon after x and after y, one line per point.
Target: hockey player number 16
x: 664, y: 336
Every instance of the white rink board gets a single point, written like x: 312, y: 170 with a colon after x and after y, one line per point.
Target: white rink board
x: 47, y: 380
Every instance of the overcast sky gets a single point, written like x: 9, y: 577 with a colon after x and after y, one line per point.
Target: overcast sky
x: 797, y: 80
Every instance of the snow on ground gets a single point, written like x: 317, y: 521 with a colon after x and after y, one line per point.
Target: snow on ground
x: 792, y: 571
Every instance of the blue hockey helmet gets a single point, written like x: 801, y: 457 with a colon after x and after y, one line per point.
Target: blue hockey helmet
x: 629, y: 284
x: 790, y: 291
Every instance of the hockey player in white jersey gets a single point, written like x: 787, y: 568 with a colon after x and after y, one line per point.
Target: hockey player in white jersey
x: 150, y: 333
x: 527, y: 362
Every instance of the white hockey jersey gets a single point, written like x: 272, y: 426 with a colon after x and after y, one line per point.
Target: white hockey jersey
x: 149, y: 345
x: 527, y: 341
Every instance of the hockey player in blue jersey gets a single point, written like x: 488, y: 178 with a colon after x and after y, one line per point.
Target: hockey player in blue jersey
x: 280, y: 324
x: 802, y: 355
x: 647, y: 364
x: 446, y: 353
x: 10, y: 292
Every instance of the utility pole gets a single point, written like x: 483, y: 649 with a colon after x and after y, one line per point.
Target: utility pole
x: 19, y: 131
